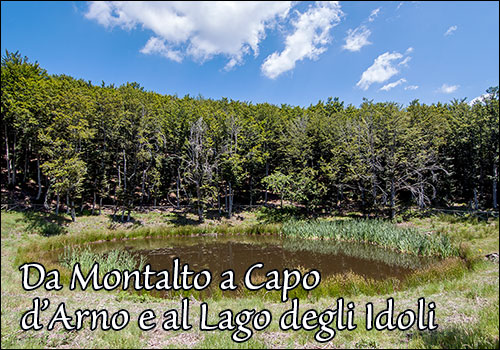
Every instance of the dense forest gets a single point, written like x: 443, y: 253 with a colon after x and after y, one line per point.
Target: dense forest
x: 69, y: 143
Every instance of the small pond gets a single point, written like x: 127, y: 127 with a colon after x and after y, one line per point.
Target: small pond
x: 239, y: 252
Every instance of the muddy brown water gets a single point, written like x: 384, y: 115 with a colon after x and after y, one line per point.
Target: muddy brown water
x: 239, y: 252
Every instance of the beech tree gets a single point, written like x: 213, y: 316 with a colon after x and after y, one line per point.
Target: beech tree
x: 198, y: 163
x: 69, y: 143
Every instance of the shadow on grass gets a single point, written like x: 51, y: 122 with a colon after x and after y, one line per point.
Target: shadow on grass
x: 181, y: 219
x: 116, y: 220
x: 45, y: 224
x: 459, y: 338
x: 270, y: 215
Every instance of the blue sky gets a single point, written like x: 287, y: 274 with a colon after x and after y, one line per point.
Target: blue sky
x: 293, y: 53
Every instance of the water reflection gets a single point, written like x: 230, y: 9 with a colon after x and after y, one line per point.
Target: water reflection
x: 240, y: 252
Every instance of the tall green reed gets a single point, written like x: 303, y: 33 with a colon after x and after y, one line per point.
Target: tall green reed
x: 113, y: 260
x: 381, y: 233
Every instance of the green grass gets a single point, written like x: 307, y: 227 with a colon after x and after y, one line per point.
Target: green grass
x: 476, y: 336
x: 381, y: 233
x: 113, y: 260
x: 385, y: 234
x: 465, y: 290
x: 479, y: 237
x: 224, y: 341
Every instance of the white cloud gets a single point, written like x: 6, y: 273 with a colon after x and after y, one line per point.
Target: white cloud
x: 200, y: 30
x: 405, y: 61
x: 448, y: 89
x: 380, y: 71
x: 307, y: 41
x: 393, y: 84
x: 409, y: 50
x: 411, y: 87
x: 357, y: 38
x: 373, y: 15
x: 479, y: 99
x: 450, y: 30
x: 157, y: 45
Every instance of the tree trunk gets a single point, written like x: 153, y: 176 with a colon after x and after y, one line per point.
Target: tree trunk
x: 25, y: 173
x: 73, y: 214
x: 265, y: 190
x: 14, y: 161
x: 495, y: 180
x: 251, y: 190
x: 230, y: 200
x: 124, y: 171
x: 9, y: 178
x: 57, y: 204
x: 340, y: 196
x: 46, y: 199
x: 67, y: 204
x: 421, y: 194
x: 476, y: 204
x: 93, y: 203
x: 124, y: 182
x: 362, y: 189
x: 199, y: 208
x: 219, y: 202
x: 393, y: 200
x: 39, y: 179
x: 225, y: 197
x: 142, y: 186
x: 119, y: 177
x: 100, y: 205
x: 177, y: 189
x: 421, y: 198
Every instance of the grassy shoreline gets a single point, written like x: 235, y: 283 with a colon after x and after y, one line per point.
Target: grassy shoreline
x: 381, y: 233
x: 466, y: 299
